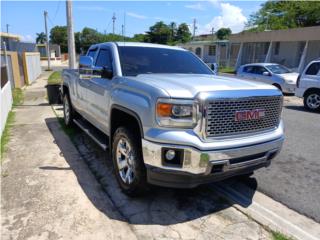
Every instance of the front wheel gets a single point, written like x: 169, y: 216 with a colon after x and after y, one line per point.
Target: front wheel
x: 312, y: 101
x: 128, y: 163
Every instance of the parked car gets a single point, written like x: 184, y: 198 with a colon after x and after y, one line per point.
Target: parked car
x: 308, y: 86
x: 270, y: 73
x: 167, y: 120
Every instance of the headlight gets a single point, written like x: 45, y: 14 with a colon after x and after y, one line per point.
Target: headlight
x: 289, y: 81
x: 176, y: 113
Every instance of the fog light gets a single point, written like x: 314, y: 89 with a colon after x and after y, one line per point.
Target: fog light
x: 170, y: 154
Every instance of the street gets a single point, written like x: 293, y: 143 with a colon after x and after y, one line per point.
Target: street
x: 294, y: 175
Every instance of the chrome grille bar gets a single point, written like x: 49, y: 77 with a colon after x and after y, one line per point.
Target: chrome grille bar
x: 220, y: 115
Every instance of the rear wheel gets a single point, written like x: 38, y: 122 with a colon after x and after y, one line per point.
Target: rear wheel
x: 68, y: 112
x: 128, y: 162
x: 312, y: 100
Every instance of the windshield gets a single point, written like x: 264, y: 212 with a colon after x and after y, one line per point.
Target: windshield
x: 144, y: 60
x: 278, y: 69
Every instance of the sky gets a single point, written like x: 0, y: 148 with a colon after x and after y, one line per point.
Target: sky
x: 25, y: 18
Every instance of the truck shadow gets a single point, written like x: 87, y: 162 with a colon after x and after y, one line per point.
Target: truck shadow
x: 160, y: 206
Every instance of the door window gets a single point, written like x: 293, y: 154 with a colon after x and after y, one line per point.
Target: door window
x: 313, y: 69
x: 259, y: 70
x: 104, y: 58
x: 248, y: 69
x: 92, y: 53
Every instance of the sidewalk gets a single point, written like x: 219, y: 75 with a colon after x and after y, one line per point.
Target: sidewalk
x: 54, y: 189
x: 42, y: 198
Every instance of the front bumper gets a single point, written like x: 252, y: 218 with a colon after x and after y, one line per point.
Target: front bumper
x: 200, y: 166
x: 288, y: 88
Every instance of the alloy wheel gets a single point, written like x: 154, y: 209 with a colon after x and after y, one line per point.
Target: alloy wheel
x: 125, y: 161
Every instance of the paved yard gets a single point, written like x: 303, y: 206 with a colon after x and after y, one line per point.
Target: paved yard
x: 54, y: 189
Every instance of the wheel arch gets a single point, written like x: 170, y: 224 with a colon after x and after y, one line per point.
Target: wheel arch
x: 309, y: 90
x: 128, y: 117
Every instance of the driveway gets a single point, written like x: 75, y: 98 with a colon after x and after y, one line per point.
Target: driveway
x: 55, y: 188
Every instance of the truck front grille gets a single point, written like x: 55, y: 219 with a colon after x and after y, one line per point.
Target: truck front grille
x: 221, y: 119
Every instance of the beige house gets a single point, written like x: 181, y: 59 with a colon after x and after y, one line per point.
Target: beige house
x: 294, y: 48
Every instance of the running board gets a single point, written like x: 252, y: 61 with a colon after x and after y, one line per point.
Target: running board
x: 96, y: 135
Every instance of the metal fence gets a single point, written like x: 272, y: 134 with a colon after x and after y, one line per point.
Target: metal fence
x: 32, y: 66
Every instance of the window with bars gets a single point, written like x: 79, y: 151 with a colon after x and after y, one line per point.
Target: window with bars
x: 212, y: 50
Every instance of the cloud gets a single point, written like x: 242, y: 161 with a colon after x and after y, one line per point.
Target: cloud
x: 135, y: 15
x: 196, y: 6
x: 27, y: 38
x: 231, y: 17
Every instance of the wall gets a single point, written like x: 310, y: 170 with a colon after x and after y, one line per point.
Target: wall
x: 32, y: 66
x: 289, y: 54
x: 6, y: 104
x: 14, y: 69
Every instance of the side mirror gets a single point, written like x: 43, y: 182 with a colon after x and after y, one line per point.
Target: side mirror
x: 106, y: 73
x: 266, y: 74
x: 85, y: 62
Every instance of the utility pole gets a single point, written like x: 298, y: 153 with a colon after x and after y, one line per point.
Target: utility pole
x: 47, y: 39
x: 113, y: 22
x: 71, y: 44
x: 212, y: 32
x: 194, y: 27
x: 7, y: 25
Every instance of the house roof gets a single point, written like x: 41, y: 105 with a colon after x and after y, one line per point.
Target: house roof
x: 9, y: 35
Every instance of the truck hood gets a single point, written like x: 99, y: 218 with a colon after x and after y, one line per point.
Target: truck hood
x: 189, y: 85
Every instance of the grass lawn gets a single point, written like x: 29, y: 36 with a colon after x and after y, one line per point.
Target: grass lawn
x: 18, y: 96
x: 227, y: 70
x: 55, y: 78
x: 6, y: 132
x: 279, y: 236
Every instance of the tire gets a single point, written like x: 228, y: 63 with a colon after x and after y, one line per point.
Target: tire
x: 311, y: 101
x: 128, y: 163
x: 68, y: 112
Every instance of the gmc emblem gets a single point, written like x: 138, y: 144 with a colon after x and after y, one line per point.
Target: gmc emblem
x: 245, y: 115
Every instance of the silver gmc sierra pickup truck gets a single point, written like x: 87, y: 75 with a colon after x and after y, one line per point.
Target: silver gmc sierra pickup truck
x: 167, y: 120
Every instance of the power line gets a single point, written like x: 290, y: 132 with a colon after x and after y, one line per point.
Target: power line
x: 57, y: 9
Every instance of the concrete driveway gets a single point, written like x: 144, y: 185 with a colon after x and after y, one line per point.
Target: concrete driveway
x: 53, y: 188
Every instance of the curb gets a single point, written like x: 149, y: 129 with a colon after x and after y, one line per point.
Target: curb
x: 270, y: 213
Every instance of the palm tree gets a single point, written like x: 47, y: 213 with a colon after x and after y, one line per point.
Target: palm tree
x: 41, y: 37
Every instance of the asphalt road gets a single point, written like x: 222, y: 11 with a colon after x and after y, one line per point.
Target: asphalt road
x: 294, y: 175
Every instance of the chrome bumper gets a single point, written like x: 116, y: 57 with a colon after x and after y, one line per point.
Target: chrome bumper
x: 202, y: 162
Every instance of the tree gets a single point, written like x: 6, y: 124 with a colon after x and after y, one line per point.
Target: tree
x: 41, y: 38
x: 223, y: 33
x: 183, y: 33
x: 59, y: 35
x: 159, y: 33
x: 140, y: 38
x: 274, y: 15
x: 77, y: 40
x: 90, y: 36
